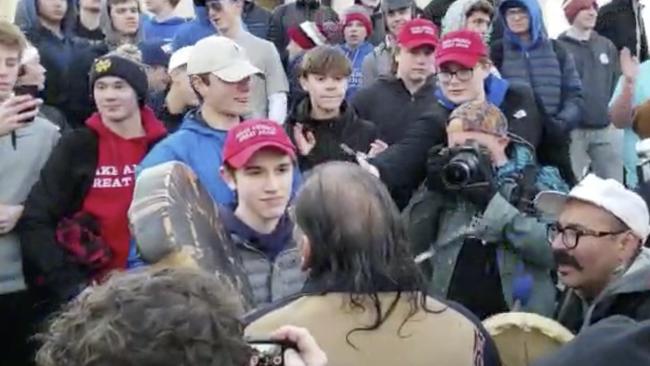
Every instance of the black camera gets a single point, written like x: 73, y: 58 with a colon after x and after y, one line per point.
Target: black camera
x: 464, y: 165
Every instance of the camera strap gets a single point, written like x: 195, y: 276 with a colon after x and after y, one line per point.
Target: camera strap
x: 528, y: 190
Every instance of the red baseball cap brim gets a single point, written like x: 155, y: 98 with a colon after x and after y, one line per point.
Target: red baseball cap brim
x: 464, y: 59
x: 240, y: 159
x: 415, y: 43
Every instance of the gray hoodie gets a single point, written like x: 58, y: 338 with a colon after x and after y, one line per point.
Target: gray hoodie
x: 597, y: 63
x: 113, y: 39
x: 635, y: 280
x: 19, y: 170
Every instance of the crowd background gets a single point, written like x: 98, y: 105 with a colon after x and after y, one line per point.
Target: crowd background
x: 425, y: 176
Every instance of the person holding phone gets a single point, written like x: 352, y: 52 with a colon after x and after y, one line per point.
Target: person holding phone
x: 158, y: 316
x: 26, y: 141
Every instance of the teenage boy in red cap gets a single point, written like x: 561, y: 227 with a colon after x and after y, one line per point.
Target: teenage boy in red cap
x: 464, y: 75
x: 357, y: 27
x: 258, y: 163
x: 396, y: 14
x: 393, y: 103
x: 595, y: 142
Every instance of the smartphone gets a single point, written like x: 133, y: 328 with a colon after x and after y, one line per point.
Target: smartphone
x: 27, y: 90
x: 267, y: 352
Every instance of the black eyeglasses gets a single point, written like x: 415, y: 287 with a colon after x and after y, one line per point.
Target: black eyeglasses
x: 461, y: 75
x: 571, y: 236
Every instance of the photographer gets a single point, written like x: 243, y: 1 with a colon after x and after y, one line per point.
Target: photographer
x: 475, y: 222
x: 464, y: 74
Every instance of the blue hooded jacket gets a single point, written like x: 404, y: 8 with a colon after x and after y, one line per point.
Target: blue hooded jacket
x: 195, y: 30
x: 27, y: 16
x: 59, y: 50
x: 57, y: 54
x: 201, y: 148
x: 166, y: 30
x: 537, y: 29
x: 356, y: 57
x: 544, y: 65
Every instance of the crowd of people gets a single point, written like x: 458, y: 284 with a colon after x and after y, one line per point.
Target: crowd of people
x: 371, y: 185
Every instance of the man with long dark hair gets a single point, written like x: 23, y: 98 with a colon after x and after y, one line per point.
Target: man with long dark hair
x: 364, y: 299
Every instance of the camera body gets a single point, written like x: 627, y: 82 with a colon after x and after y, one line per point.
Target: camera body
x: 463, y: 167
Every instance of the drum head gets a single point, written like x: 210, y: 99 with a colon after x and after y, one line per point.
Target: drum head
x: 523, y: 338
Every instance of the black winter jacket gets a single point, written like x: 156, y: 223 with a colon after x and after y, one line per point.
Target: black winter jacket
x: 64, y: 182
x: 403, y: 165
x: 347, y: 128
x: 616, y: 21
x: 391, y: 107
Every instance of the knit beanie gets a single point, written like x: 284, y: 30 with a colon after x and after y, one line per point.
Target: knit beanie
x: 122, y: 68
x: 358, y: 13
x: 307, y: 35
x: 573, y: 7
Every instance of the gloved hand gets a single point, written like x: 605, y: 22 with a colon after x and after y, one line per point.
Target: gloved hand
x: 438, y: 157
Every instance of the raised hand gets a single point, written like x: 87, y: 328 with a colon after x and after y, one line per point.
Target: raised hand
x: 629, y: 65
x: 305, y: 139
x: 15, y: 110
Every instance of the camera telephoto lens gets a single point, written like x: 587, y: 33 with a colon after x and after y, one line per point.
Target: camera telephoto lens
x: 461, y: 170
x: 456, y: 174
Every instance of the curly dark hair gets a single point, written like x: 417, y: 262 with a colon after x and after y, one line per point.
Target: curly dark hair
x: 169, y: 317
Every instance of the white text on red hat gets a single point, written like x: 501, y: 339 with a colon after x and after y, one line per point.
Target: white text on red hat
x: 254, y: 131
x: 457, y: 42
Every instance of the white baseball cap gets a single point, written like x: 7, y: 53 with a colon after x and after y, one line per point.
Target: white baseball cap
x: 607, y: 194
x: 222, y: 57
x: 179, y: 58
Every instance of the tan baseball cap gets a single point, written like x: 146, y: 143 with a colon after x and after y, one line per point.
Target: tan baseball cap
x: 179, y: 58
x: 222, y: 57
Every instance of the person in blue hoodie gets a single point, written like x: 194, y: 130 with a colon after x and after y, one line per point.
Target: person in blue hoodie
x: 526, y: 54
x: 220, y: 73
x: 357, y: 28
x: 162, y: 24
x: 191, y: 32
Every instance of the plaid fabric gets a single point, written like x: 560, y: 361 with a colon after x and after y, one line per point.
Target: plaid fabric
x: 80, y: 237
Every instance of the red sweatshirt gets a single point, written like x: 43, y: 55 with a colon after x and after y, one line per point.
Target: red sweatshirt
x: 109, y: 197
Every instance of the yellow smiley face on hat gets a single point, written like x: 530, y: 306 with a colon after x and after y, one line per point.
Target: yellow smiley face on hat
x: 102, y: 65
